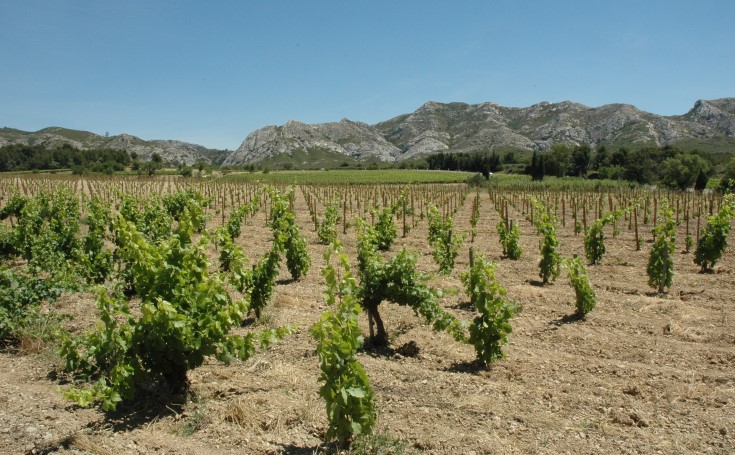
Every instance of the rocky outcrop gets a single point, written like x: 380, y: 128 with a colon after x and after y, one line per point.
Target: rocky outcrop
x: 353, y: 139
x: 488, y: 126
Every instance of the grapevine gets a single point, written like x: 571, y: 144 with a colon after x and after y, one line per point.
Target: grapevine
x: 661, y: 260
x: 578, y: 278
x: 346, y: 388
x: 713, y: 242
x: 490, y: 329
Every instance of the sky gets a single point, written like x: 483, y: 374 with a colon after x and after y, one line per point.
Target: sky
x: 212, y: 72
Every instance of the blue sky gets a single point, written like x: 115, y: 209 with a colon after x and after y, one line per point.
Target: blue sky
x: 212, y: 72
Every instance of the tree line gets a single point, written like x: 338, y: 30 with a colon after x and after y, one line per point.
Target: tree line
x: 483, y: 162
x: 20, y: 157
x: 668, y: 165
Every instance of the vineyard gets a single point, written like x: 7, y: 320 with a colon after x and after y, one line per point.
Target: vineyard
x: 171, y: 315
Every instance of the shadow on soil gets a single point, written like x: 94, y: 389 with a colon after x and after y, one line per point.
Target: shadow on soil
x: 567, y: 319
x: 408, y: 349
x: 463, y: 306
x: 469, y: 367
x: 290, y: 449
x: 147, y: 407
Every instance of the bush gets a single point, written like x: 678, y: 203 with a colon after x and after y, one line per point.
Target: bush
x: 713, y: 242
x: 578, y: 278
x: 509, y: 240
x: 476, y: 181
x: 20, y: 301
x: 385, y: 228
x: 490, y: 329
x: 346, y: 388
x: 185, y: 315
x: 446, y: 245
x: 327, y: 232
x: 594, y: 238
x: 549, y: 266
x: 396, y: 280
x: 661, y: 260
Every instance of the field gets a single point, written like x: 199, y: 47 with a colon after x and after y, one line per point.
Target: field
x: 643, y: 372
x: 346, y: 177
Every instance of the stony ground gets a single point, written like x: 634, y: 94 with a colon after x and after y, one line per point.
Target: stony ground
x: 642, y: 374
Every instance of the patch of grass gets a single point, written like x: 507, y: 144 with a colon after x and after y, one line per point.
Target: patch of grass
x: 350, y: 176
x: 379, y: 443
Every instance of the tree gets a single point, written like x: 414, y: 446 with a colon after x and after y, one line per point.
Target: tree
x: 602, y: 159
x: 682, y: 171
x: 154, y: 164
x: 536, y: 169
x: 580, y: 160
x: 701, y: 183
x: 559, y: 160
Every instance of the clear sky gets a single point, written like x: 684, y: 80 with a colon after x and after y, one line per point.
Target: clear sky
x: 210, y: 72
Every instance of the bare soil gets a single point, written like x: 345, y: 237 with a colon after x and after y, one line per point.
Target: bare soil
x: 642, y: 373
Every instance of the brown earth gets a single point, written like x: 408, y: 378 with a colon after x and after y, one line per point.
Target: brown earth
x: 642, y: 374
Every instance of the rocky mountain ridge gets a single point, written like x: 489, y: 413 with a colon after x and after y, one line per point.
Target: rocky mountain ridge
x: 173, y: 152
x: 460, y: 127
x: 436, y: 127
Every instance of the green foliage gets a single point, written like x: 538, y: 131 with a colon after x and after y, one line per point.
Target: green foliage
x: 550, y: 264
x: 185, y: 315
x: 661, y: 260
x: 713, y: 242
x: 327, y: 232
x: 350, y: 177
x: 682, y: 171
x: 20, y: 301
x: 234, y: 223
x: 175, y: 203
x: 346, y: 388
x: 509, y: 240
x: 286, y: 234
x: 397, y: 280
x: 490, y: 329
x: 21, y: 157
x: 263, y: 281
x: 446, y: 245
x: 149, y: 215
x: 578, y: 278
x: 226, y: 235
x: 7, y: 242
x: 385, y: 228
x: 47, y: 232
x: 97, y: 261
x: 14, y: 206
x: 594, y: 238
x: 481, y: 162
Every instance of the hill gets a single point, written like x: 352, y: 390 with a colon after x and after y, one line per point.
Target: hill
x: 173, y: 152
x: 461, y: 127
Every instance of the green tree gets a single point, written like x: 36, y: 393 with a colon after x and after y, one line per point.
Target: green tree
x: 580, y: 160
x: 681, y: 171
x: 155, y: 164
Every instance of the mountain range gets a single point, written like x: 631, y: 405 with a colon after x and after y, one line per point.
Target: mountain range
x: 436, y: 127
